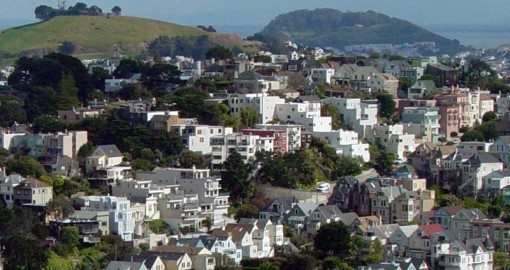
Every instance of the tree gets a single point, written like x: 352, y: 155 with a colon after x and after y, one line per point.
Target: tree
x: 489, y: 116
x: 56, y: 262
x: 501, y: 260
x: 127, y: 68
x: 116, y: 10
x: 11, y: 111
x: 47, y: 124
x: 140, y: 164
x: 59, y: 207
x: 159, y: 226
x: 134, y: 91
x: 479, y: 74
x: 235, y: 178
x: 67, y: 94
x: 328, y: 110
x: 44, y: 12
x: 331, y: 263
x: 429, y: 77
x: 333, y: 239
x: 26, y: 166
x: 345, y: 166
x: 246, y: 210
x: 23, y: 252
x: 249, y: 117
x: 262, y: 58
x: 472, y: 135
x: 67, y: 47
x: 386, y: 105
x: 207, y: 222
x: 219, y: 53
x: 405, y: 83
x: 70, y: 237
x: 188, y: 159
x: 99, y: 75
x: 159, y: 77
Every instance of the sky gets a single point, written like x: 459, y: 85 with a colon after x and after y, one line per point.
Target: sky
x: 437, y: 15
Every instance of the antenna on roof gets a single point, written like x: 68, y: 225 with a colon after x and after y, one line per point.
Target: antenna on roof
x: 62, y: 4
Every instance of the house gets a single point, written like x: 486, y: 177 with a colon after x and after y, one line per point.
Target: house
x: 306, y: 114
x: 153, y: 261
x: 497, y: 231
x: 495, y: 182
x: 121, y: 265
x: 263, y: 103
x: 400, y: 240
x: 7, y: 184
x: 321, y: 75
x: 381, y: 232
x: 266, y: 226
x: 293, y: 134
x: 32, y: 192
x: 470, y: 254
x: 75, y: 115
x: 104, y: 156
x: 475, y: 169
x: 379, y: 82
x: 445, y: 75
x: 323, y: 214
x: 50, y: 145
x: 421, y: 157
x: 360, y: 115
x: 501, y: 148
x: 197, y: 138
x: 242, y: 236
x: 444, y: 215
x: 279, y: 137
x: 428, y: 117
x: 276, y: 209
x: 246, y: 145
x: 114, y: 85
x: 346, y: 143
x: 121, y: 219
x: 381, y: 203
x: 421, y: 89
x: 162, y: 124
x: 207, y: 188
x: 299, y: 214
x: 61, y: 165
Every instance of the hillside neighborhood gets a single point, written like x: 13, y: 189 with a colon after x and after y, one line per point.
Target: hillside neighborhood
x: 378, y: 157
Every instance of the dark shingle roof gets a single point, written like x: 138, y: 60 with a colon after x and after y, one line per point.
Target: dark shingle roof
x: 110, y: 150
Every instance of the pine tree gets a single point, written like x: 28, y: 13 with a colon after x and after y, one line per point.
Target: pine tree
x: 67, y: 93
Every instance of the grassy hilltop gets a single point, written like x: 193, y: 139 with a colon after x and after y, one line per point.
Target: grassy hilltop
x: 96, y: 35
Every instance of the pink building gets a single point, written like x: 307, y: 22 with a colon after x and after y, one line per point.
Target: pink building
x: 280, y: 144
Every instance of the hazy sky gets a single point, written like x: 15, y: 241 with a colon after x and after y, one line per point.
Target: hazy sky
x: 260, y: 12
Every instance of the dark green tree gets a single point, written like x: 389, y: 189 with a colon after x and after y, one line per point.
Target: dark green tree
x: 489, y: 116
x: 247, y: 210
x: 479, y: 74
x: 44, y: 12
x: 219, y: 53
x: 236, y: 177
x: 67, y: 47
x: 386, y: 105
x: 66, y: 94
x: 159, y: 77
x: 159, y: 226
x: 331, y: 263
x: 99, y: 75
x: 59, y: 207
x: 23, y: 252
x: 26, y: 166
x: 472, y: 135
x: 47, y: 123
x: 11, y: 111
x: 262, y: 58
x: 333, y: 239
x: 142, y: 165
x: 70, y: 237
x: 127, y: 68
x: 134, y: 91
x: 116, y: 10
x: 188, y: 159
x: 328, y: 110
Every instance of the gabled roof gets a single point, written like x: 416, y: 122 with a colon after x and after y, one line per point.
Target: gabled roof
x: 30, y: 183
x: 482, y: 158
x: 148, y: 258
x: 306, y: 207
x: 499, y: 174
x: 109, y: 150
x: 408, y: 230
x: 120, y: 265
x: 165, y: 256
x: 285, y: 202
x: 384, y: 231
x: 451, y: 210
x: 348, y: 218
x: 505, y: 139
x: 329, y: 211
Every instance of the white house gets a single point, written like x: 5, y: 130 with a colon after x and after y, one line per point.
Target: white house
x: 306, y: 114
x: 263, y: 103
x: 496, y: 181
x: 360, y: 115
x: 194, y: 181
x: 105, y: 156
x: 346, y: 143
x: 246, y: 145
x: 197, y: 138
x: 501, y: 148
x: 322, y: 75
x: 293, y: 133
x: 119, y: 208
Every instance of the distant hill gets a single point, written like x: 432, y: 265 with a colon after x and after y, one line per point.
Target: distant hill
x: 96, y: 35
x: 333, y: 28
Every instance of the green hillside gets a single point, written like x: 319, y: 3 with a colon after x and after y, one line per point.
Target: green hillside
x: 96, y: 34
x: 333, y: 28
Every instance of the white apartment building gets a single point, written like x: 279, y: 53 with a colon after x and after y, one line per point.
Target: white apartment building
x: 121, y: 220
x: 194, y: 181
x: 260, y: 102
x: 293, y: 133
x: 322, y: 75
x: 360, y: 115
x: 245, y: 144
x: 306, y: 114
x: 346, y: 143
x: 393, y: 138
x: 197, y: 138
x: 50, y: 145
